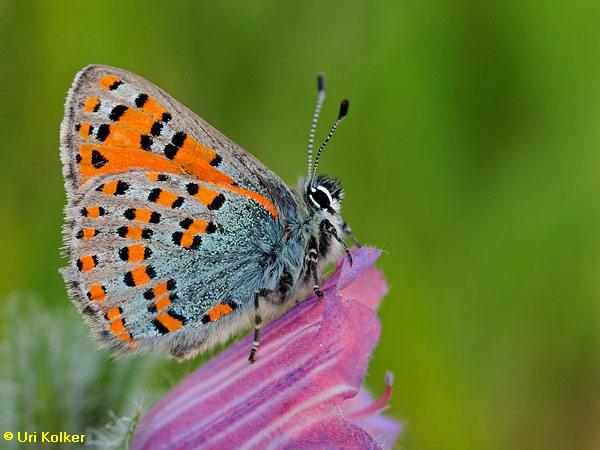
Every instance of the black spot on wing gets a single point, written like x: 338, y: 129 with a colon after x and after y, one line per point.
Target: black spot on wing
x: 178, y: 139
x: 211, y: 228
x: 185, y: 223
x: 129, y: 213
x: 217, y: 202
x: 128, y: 279
x: 117, y: 112
x: 170, y: 151
x: 122, y: 187
x: 196, y: 241
x: 160, y: 327
x: 177, y: 237
x: 192, y: 188
x: 178, y: 202
x: 146, y: 142
x: 98, y: 160
x: 141, y: 100
x: 103, y: 132
x: 156, y: 128
x: 154, y: 194
x: 115, y: 85
x: 124, y: 253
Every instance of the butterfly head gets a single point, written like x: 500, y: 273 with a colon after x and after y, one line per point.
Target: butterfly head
x: 324, y: 194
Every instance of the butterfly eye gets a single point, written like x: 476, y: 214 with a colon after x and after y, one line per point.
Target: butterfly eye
x: 320, y: 197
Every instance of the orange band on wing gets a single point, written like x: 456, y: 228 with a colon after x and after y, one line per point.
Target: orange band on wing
x: 117, y: 325
x: 143, y: 215
x: 119, y: 160
x: 169, y: 322
x: 193, y: 150
x: 86, y: 263
x: 135, y: 120
x: 198, y: 226
x: 221, y: 309
x: 107, y: 82
x: 160, y: 288
x: 93, y: 211
x: 140, y: 276
x: 132, y: 232
x: 84, y: 130
x: 137, y: 253
x: 162, y: 303
x: 256, y: 197
x: 188, y: 240
x: 88, y: 233
x: 166, y: 199
x: 205, y: 195
x: 153, y: 108
x: 91, y: 104
x: 122, y: 160
x: 205, y: 172
x: 97, y: 293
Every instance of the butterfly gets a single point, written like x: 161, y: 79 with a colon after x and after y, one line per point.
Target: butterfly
x: 177, y: 237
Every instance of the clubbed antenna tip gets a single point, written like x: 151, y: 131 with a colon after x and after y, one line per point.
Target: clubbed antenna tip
x: 343, y: 109
x: 321, y: 82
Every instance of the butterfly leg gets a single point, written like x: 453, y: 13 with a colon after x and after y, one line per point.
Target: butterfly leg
x: 327, y: 227
x: 348, y: 232
x: 264, y: 293
x: 312, y: 258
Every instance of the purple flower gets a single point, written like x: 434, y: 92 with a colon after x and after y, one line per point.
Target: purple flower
x: 304, y: 391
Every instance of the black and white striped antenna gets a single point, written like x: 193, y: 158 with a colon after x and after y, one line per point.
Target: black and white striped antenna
x: 343, y: 112
x: 315, y: 120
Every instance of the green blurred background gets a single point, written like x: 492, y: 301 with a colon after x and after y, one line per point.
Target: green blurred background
x: 471, y: 154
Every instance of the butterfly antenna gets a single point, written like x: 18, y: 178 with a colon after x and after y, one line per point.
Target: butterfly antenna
x: 315, y: 119
x: 343, y: 112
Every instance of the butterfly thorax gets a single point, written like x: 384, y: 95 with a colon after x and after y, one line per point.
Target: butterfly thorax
x: 319, y: 208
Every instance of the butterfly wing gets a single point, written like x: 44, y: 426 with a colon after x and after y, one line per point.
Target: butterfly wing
x: 116, y: 121
x: 166, y: 218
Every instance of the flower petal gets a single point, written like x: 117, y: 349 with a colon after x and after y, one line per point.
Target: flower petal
x: 382, y: 429
x: 312, y: 359
x: 362, y: 259
x: 369, y: 289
